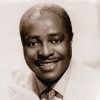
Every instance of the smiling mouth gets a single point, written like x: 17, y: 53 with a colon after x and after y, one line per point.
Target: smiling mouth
x: 47, y: 65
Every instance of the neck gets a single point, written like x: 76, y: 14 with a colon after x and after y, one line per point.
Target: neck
x: 49, y: 83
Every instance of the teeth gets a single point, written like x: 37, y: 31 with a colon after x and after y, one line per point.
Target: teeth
x: 47, y: 67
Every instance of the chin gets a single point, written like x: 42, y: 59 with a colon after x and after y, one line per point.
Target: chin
x: 50, y: 77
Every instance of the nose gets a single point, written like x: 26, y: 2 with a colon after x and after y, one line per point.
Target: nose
x: 45, y: 51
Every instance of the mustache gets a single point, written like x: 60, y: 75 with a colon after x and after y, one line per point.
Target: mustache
x: 45, y: 61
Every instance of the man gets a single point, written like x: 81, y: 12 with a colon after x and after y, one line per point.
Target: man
x: 46, y: 35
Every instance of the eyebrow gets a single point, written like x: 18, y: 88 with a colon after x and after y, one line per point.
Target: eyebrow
x: 37, y: 37
x: 31, y: 37
x: 56, y: 34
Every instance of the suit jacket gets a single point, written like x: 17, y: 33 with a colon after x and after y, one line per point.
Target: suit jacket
x: 83, y: 84
x: 26, y: 90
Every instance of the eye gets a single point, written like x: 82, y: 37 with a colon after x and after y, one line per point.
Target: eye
x: 32, y: 43
x: 56, y: 40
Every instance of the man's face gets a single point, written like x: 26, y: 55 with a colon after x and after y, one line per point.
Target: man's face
x: 47, y: 49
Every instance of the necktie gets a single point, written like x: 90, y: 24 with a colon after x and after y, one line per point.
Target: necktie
x: 50, y: 94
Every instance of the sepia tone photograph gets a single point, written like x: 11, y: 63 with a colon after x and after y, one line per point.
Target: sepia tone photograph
x: 50, y: 50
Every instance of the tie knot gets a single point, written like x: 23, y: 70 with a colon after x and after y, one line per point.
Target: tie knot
x: 49, y: 94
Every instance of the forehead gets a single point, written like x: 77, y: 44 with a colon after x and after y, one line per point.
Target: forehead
x: 46, y: 23
x: 48, y: 16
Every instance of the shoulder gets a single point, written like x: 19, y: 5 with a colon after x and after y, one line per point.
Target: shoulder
x: 20, y: 93
x: 84, y: 83
x: 22, y: 86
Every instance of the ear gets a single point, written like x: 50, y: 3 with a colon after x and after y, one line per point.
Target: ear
x: 71, y: 39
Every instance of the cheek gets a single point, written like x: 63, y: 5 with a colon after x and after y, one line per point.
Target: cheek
x: 62, y: 49
x: 30, y: 53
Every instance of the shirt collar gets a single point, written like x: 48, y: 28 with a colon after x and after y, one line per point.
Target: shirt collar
x: 60, y: 86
